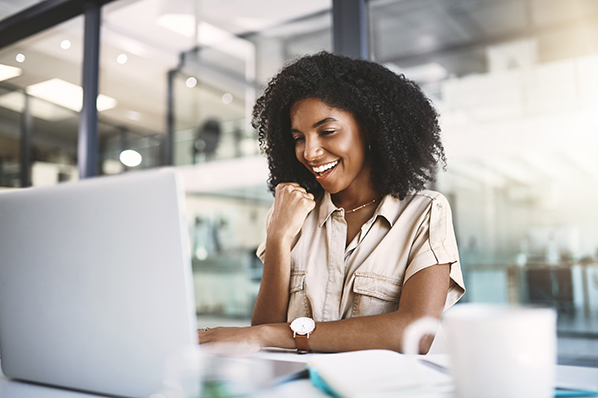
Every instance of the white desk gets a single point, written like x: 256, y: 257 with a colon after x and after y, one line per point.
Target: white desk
x: 567, y: 376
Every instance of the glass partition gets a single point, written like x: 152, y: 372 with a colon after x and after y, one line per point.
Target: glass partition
x: 516, y: 84
x: 10, y: 129
x: 40, y: 76
x: 127, y: 148
x: 226, y: 229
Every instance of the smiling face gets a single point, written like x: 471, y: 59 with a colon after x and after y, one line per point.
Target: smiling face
x: 329, y: 142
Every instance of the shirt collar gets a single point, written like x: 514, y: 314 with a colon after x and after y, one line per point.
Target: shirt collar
x: 388, y: 208
x: 326, y: 209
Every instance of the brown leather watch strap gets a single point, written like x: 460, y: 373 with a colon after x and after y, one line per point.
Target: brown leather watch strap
x: 302, y: 342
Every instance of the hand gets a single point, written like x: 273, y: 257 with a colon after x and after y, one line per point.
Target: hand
x: 292, y: 204
x: 230, y: 340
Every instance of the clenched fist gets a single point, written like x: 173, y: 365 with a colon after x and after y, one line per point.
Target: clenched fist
x: 292, y: 204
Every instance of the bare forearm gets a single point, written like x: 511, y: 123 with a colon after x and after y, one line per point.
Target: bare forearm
x: 370, y: 332
x: 273, y: 297
x: 292, y: 204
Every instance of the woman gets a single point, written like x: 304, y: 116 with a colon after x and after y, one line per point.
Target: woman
x: 354, y: 242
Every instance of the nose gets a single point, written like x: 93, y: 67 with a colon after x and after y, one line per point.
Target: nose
x: 313, y: 149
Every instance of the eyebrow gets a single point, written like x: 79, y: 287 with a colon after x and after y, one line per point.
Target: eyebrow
x: 321, y: 122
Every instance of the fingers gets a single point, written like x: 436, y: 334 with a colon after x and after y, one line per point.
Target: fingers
x: 292, y: 204
x: 293, y: 199
x: 229, y: 339
x: 202, y: 334
x: 291, y: 191
x: 290, y: 187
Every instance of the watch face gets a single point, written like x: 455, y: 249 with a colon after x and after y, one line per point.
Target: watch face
x: 303, y: 325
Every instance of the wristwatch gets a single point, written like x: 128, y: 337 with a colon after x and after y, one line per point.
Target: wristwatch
x: 302, y: 328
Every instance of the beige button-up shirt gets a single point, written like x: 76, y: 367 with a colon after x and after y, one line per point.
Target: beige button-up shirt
x: 330, y: 281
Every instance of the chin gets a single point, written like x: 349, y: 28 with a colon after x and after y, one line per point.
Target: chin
x: 331, y: 191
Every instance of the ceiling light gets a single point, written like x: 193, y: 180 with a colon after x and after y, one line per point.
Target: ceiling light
x: 65, y: 44
x: 20, y: 57
x: 130, y: 158
x: 227, y: 98
x: 39, y: 109
x: 133, y: 115
x: 122, y: 58
x: 191, y: 82
x: 67, y: 95
x: 8, y: 72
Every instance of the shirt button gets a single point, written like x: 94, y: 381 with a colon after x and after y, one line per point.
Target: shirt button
x: 438, y: 206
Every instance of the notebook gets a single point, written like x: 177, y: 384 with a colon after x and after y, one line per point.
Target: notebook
x: 376, y: 373
x: 95, y: 283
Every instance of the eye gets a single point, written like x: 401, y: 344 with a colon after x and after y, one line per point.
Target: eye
x: 327, y: 132
x: 298, y: 138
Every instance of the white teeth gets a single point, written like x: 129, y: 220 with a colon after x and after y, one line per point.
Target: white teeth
x: 324, y: 167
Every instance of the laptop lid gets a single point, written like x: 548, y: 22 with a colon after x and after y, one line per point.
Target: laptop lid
x: 95, y: 282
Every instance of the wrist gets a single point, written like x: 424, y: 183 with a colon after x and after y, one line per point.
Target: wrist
x: 302, y: 328
x: 275, y: 335
x: 278, y: 239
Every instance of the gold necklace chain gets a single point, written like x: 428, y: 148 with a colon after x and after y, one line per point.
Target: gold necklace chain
x: 360, y: 207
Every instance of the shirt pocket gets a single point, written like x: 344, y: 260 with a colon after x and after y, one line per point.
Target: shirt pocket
x: 298, y: 302
x: 375, y: 294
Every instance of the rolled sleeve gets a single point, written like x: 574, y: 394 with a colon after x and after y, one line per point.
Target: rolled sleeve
x: 436, y: 244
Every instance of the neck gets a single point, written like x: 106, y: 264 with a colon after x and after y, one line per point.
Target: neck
x: 350, y: 201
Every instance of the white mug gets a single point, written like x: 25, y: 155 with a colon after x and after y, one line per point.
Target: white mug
x: 496, y: 350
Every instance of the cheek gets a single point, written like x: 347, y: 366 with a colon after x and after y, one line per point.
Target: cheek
x: 354, y: 151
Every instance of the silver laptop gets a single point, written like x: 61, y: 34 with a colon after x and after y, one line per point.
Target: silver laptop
x: 95, y: 283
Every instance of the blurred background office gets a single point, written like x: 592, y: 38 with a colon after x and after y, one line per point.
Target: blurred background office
x: 515, y: 82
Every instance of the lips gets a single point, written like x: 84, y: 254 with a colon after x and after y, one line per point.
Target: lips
x: 324, y: 169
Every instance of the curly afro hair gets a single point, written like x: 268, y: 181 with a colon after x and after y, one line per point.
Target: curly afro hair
x: 398, y: 121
